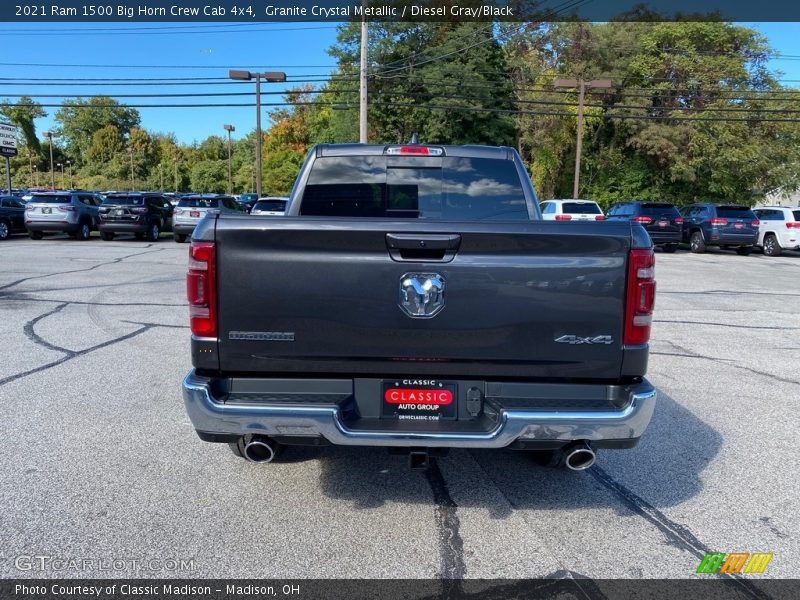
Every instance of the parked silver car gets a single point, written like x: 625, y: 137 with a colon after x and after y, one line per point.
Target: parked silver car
x: 73, y: 213
x: 191, y: 209
x: 272, y: 206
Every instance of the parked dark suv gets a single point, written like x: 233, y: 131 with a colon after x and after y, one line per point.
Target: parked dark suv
x: 723, y: 225
x: 144, y: 215
x: 661, y: 220
x: 12, y: 216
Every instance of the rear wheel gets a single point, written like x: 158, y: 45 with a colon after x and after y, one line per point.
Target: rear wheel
x: 179, y: 237
x: 153, y: 232
x: 696, y: 243
x: 106, y: 236
x: 35, y: 235
x: 744, y: 250
x: 84, y: 231
x: 5, y: 230
x: 771, y: 245
x: 670, y: 248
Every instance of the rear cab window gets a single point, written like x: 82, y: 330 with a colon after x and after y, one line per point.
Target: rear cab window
x: 273, y: 205
x: 416, y: 187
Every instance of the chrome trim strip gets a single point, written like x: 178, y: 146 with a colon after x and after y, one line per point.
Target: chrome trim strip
x: 210, y: 416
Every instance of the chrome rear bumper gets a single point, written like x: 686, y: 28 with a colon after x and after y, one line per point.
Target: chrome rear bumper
x: 210, y: 416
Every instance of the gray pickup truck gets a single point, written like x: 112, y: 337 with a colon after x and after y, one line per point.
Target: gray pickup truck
x: 413, y: 298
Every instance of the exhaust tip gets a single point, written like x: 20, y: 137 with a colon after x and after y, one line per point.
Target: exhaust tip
x: 580, y: 457
x: 260, y: 450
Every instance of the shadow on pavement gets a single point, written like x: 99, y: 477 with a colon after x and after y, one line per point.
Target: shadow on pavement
x: 665, y: 468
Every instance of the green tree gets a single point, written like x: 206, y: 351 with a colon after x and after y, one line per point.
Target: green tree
x: 209, y: 176
x: 79, y: 119
x: 22, y: 114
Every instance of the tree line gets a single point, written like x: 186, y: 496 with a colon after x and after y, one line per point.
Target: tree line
x: 694, y: 112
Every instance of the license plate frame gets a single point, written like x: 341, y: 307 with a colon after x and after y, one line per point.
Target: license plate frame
x: 738, y: 225
x: 195, y: 214
x: 427, y: 404
x: 47, y: 210
x: 663, y: 224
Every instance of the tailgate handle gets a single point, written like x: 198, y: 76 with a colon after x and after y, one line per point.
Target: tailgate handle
x: 422, y: 247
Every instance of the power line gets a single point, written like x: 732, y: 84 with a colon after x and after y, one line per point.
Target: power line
x: 101, y: 32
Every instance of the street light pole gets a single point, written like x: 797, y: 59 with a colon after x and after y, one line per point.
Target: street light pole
x: 35, y: 175
x: 69, y: 170
x: 229, y: 129
x: 362, y: 109
x: 61, y: 166
x: 582, y: 85
x: 269, y: 77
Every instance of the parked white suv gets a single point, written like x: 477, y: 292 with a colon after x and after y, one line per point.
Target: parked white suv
x: 571, y: 210
x: 779, y: 229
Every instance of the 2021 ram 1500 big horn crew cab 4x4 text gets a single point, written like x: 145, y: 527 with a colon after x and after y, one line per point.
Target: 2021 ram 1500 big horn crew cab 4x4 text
x: 413, y: 297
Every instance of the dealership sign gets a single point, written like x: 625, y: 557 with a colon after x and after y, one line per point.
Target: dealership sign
x: 8, y: 140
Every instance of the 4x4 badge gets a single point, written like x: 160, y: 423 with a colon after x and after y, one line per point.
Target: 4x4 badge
x: 576, y: 339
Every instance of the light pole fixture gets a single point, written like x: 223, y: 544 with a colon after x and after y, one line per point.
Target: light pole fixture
x: 582, y: 86
x: 272, y: 77
x: 50, y: 135
x: 61, y: 166
x: 229, y: 129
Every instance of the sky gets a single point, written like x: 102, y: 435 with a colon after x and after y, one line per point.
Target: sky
x: 56, y: 55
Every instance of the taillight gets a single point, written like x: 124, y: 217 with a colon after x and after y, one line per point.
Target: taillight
x: 563, y: 217
x: 66, y: 208
x: 678, y: 220
x: 643, y: 220
x: 201, y: 289
x: 793, y: 225
x: 641, y: 296
x: 755, y: 223
x: 600, y: 218
x: 718, y: 221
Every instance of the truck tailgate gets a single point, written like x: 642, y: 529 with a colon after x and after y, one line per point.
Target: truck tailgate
x: 322, y: 295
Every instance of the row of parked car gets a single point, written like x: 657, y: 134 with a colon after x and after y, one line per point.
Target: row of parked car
x: 773, y: 228
x: 143, y: 214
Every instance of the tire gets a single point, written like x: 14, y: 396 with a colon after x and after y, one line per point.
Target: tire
x: 5, y: 230
x: 106, y: 236
x: 744, y: 250
x: 179, y: 238
x: 771, y: 245
x: 696, y: 243
x: 153, y: 232
x: 35, y: 235
x: 84, y: 231
x: 670, y: 248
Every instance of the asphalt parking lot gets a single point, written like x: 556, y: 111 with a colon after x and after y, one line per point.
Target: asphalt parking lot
x: 100, y: 460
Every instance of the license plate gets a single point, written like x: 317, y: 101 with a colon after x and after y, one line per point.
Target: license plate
x: 195, y: 213
x: 739, y: 225
x: 419, y: 400
x: 118, y: 212
x: 47, y: 211
x: 663, y: 223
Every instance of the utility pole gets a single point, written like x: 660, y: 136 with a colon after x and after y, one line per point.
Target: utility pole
x: 50, y: 135
x: 229, y: 129
x: 133, y: 180
x: 362, y: 111
x: 177, y: 155
x: 582, y: 86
